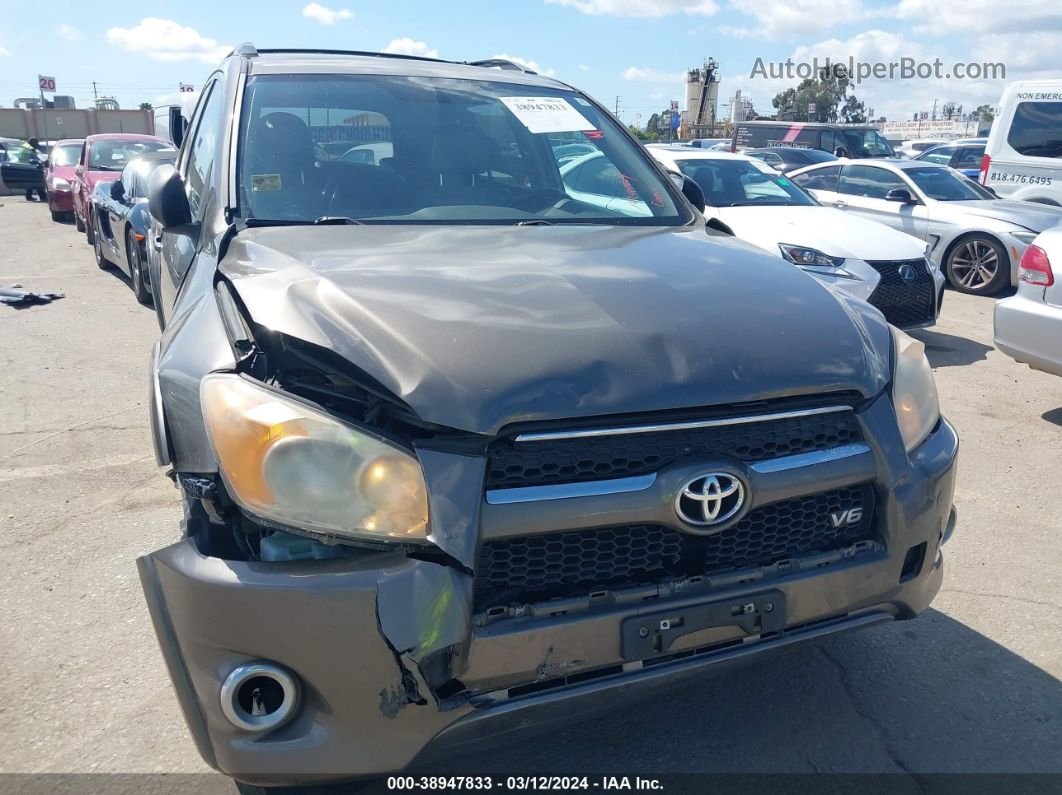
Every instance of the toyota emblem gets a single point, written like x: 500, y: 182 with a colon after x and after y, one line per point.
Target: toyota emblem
x: 710, y: 499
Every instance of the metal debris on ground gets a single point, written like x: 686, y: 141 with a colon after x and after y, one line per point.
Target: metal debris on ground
x: 23, y: 298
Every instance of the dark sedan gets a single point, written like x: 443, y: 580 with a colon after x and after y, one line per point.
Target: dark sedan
x: 964, y: 156
x: 119, y: 219
x: 21, y: 167
x: 788, y: 158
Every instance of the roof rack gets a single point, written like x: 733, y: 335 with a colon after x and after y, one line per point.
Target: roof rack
x: 502, y: 63
x: 248, y: 50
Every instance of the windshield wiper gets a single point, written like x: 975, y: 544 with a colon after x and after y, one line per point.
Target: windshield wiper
x: 336, y: 220
x: 534, y: 222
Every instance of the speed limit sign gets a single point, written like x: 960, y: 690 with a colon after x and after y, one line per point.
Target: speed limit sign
x: 46, y: 83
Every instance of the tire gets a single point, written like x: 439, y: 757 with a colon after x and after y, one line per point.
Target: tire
x: 97, y: 248
x: 136, y: 269
x: 78, y: 223
x: 977, y: 265
x: 57, y: 216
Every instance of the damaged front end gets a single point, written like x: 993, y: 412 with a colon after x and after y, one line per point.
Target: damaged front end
x: 522, y: 577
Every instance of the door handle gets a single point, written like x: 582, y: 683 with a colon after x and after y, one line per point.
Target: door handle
x: 840, y: 204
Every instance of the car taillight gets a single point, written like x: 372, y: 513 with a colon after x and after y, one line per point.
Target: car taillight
x: 986, y: 162
x: 1035, y: 268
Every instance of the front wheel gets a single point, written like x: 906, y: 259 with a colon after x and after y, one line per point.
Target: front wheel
x: 136, y: 269
x: 78, y: 223
x: 97, y: 247
x: 978, y: 265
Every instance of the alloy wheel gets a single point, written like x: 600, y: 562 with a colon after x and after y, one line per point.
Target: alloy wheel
x: 975, y: 264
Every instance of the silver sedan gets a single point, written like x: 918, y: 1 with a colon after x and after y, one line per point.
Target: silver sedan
x: 976, y: 239
x: 1028, y: 325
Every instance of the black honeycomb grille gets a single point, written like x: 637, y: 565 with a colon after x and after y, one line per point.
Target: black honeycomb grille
x: 597, y: 458
x: 529, y: 568
x: 903, y: 303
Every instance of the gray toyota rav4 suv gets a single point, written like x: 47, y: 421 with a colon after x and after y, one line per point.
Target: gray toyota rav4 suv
x: 469, y: 441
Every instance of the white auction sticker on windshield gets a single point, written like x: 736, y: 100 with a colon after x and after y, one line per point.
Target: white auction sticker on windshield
x: 547, y: 114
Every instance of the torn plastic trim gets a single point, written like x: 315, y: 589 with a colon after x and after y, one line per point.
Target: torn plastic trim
x: 673, y: 588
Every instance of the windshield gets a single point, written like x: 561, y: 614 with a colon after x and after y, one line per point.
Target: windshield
x: 390, y: 149
x: 737, y: 183
x: 112, y: 155
x: 866, y: 143
x: 946, y: 185
x: 66, y: 154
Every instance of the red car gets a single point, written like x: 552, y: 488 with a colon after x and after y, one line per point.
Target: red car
x: 59, y: 176
x: 102, y: 160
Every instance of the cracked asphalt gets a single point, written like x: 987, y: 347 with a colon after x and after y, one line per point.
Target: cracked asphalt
x: 971, y: 686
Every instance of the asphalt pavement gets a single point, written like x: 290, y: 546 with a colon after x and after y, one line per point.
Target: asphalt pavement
x: 970, y: 686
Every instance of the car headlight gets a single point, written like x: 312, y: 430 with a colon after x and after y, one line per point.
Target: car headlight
x: 1025, y: 237
x: 914, y: 391
x: 58, y: 183
x: 802, y: 255
x: 290, y: 463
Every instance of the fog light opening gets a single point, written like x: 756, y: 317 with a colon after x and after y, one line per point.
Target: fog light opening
x: 912, y: 562
x: 259, y: 696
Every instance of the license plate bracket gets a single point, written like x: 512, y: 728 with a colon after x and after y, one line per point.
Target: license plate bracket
x: 653, y: 633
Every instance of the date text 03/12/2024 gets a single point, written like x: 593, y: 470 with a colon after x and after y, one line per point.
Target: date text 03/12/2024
x: 523, y: 783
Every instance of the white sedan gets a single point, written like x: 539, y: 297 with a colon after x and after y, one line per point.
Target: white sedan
x: 878, y: 264
x: 1028, y: 325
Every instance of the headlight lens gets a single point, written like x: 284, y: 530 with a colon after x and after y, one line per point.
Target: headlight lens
x: 1025, y: 237
x: 58, y: 183
x: 802, y: 255
x: 290, y: 463
x: 914, y: 391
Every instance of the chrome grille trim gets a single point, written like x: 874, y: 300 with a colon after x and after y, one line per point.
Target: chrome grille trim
x: 549, y: 436
x: 809, y: 459
x: 566, y: 491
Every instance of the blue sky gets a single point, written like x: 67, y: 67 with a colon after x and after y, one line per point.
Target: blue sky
x: 635, y: 49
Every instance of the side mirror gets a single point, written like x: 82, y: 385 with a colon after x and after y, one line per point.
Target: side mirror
x: 118, y: 190
x: 690, y: 189
x: 715, y: 226
x: 167, y: 201
x: 901, y: 195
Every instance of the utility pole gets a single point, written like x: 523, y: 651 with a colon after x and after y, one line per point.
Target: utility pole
x: 617, y: 107
x: 933, y: 114
x: 95, y: 96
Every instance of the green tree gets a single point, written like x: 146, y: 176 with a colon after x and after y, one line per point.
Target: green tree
x: 828, y: 92
x: 146, y: 106
x: 853, y: 111
x: 654, y: 123
x: 985, y: 113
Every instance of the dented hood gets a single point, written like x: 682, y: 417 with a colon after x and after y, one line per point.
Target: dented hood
x: 477, y: 327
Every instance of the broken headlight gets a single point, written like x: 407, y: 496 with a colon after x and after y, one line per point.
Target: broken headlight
x: 290, y: 463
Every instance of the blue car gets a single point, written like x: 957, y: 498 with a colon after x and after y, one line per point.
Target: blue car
x: 963, y: 155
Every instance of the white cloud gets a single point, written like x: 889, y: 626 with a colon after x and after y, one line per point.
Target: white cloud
x: 640, y: 8
x: 68, y: 32
x: 802, y: 17
x: 981, y: 16
x: 166, y: 40
x: 408, y: 46
x: 4, y: 51
x: 584, y: 68
x: 326, y: 15
x: 641, y: 75
x: 526, y: 63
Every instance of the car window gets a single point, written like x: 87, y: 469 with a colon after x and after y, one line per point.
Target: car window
x: 970, y: 157
x: 203, y: 149
x: 438, y: 150
x: 738, y: 183
x: 109, y: 154
x: 870, y: 182
x: 865, y: 143
x: 129, y: 180
x: 65, y: 154
x: 945, y: 184
x: 941, y: 155
x: 1036, y: 130
x: 820, y: 179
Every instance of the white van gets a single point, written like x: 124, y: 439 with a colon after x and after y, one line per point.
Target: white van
x: 1023, y: 158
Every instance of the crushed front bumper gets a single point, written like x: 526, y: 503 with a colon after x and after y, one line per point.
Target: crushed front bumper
x: 393, y: 667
